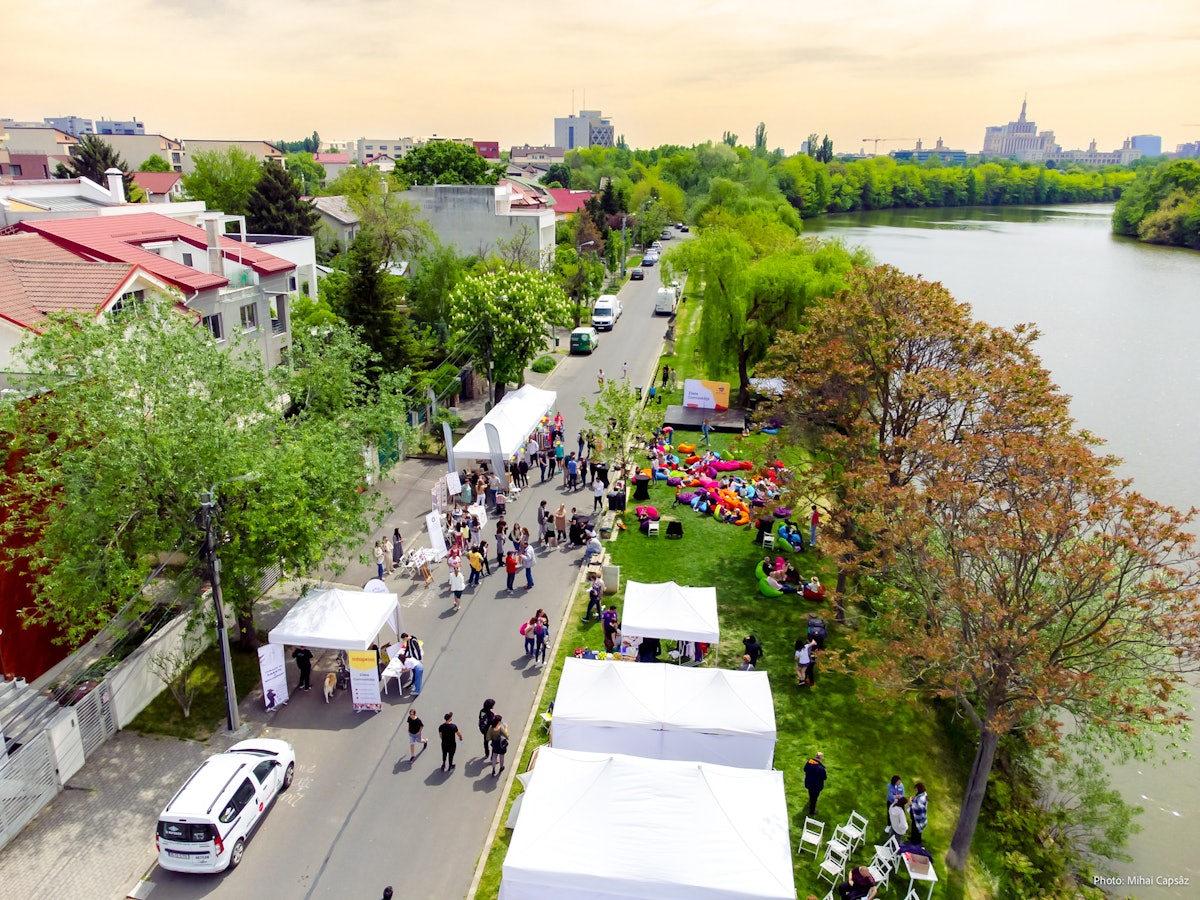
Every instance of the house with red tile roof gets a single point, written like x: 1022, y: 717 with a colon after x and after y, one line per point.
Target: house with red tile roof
x: 39, y: 278
x: 160, y: 187
x: 241, y: 292
x: 334, y: 163
x: 567, y: 201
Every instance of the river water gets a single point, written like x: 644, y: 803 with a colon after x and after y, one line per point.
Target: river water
x: 1119, y: 323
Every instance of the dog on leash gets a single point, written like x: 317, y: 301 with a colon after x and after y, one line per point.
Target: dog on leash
x: 330, y: 685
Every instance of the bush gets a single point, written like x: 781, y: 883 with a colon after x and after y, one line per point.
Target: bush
x: 544, y: 364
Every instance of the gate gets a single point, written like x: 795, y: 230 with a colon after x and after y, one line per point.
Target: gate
x: 28, y: 782
x: 96, y: 723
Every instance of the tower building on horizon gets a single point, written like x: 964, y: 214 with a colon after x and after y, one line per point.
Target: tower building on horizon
x: 588, y: 129
x: 1020, y: 140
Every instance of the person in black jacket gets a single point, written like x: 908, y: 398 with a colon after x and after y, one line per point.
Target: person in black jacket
x: 814, y: 780
x: 303, y: 657
x: 753, y: 649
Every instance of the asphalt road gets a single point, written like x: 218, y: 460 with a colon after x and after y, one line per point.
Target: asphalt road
x: 360, y: 816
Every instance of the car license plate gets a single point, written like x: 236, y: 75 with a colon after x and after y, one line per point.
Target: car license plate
x: 173, y: 854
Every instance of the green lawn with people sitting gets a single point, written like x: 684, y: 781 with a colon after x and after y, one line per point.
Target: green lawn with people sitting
x: 865, y: 742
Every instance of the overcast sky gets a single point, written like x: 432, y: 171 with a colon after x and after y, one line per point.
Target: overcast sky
x: 673, y: 71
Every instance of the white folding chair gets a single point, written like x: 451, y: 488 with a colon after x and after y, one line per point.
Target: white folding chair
x: 833, y: 866
x: 888, y: 849
x: 840, y: 843
x: 830, y: 895
x: 912, y: 894
x: 855, y: 829
x: 653, y: 527
x: 768, y: 541
x: 811, y: 836
x: 881, y: 871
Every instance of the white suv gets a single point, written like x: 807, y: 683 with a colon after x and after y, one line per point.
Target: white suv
x: 207, y: 823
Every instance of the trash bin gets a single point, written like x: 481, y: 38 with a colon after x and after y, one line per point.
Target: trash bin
x: 616, y: 501
x: 600, y: 470
x: 638, y: 388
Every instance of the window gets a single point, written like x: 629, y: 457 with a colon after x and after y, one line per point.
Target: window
x: 187, y: 260
x: 14, y: 169
x: 279, y: 314
x: 249, y: 315
x: 243, y: 796
x: 263, y: 770
x: 291, y: 282
x: 213, y: 324
x: 126, y: 301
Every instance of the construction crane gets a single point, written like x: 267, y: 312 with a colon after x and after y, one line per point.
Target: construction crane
x: 880, y: 140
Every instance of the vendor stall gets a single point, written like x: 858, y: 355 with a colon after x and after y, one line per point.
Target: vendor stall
x: 606, y: 826
x: 666, y: 712
x: 336, y: 619
x: 671, y: 611
x: 504, y: 430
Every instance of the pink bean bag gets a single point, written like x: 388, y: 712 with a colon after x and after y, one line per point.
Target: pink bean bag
x: 647, y: 512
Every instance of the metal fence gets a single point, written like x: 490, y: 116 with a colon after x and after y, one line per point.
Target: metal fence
x: 28, y: 781
x: 96, y: 722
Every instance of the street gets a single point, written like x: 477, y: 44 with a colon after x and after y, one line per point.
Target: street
x: 360, y: 816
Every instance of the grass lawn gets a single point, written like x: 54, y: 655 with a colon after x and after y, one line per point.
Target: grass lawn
x: 864, y: 744
x: 163, y: 715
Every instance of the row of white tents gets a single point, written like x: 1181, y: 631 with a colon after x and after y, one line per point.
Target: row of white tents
x: 659, y: 783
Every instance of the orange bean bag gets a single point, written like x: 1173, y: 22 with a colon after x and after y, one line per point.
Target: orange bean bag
x: 691, y: 460
x: 687, y: 448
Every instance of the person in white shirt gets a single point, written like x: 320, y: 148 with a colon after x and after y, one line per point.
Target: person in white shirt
x: 597, y: 494
x: 897, y: 819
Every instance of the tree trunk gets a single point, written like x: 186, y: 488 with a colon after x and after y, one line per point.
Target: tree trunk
x: 968, y: 816
x: 839, y: 607
x: 743, y: 381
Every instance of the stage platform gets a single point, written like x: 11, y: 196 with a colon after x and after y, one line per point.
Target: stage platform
x: 691, y: 418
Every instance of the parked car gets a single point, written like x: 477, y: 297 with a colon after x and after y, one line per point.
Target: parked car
x: 666, y: 234
x: 584, y: 339
x: 684, y: 229
x: 206, y: 825
x: 637, y: 275
x: 606, y: 312
x: 650, y: 258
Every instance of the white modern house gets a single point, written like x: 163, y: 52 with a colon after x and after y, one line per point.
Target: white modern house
x: 477, y: 219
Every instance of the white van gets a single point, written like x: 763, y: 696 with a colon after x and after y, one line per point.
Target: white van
x: 665, y: 300
x: 606, y: 312
x: 207, y: 823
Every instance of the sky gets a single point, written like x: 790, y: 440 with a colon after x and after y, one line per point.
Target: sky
x: 672, y: 71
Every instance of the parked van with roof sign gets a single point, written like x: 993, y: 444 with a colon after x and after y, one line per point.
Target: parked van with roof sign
x: 206, y: 825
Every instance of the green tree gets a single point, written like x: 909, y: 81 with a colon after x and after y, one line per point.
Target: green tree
x: 448, y: 162
x: 502, y: 318
x: 223, y: 179
x: 106, y: 485
x: 814, y: 144
x: 307, y: 171
x: 624, y: 422
x: 559, y: 172
x: 825, y: 153
x: 154, y: 163
x: 434, y: 277
x: 371, y: 304
x: 760, y: 139
x: 275, y: 205
x: 729, y: 138
x: 91, y: 158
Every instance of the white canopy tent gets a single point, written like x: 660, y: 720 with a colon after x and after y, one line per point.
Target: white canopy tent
x: 612, y: 827
x: 672, y: 611
x: 510, y: 423
x: 666, y: 712
x: 335, y: 619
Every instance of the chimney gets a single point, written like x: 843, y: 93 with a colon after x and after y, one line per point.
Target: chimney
x: 216, y: 261
x: 116, y: 184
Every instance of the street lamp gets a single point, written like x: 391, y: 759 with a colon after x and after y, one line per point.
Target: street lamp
x: 207, y: 505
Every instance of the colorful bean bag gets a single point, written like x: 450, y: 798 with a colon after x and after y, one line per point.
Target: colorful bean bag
x: 674, y: 481
x: 687, y: 448
x: 766, y: 590
x: 661, y: 475
x: 770, y: 431
x: 647, y: 512
x: 817, y: 596
x: 783, y: 512
x: 685, y: 497
x: 691, y: 460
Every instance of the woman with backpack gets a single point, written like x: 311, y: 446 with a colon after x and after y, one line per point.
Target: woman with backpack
x: 486, y: 717
x: 498, y: 739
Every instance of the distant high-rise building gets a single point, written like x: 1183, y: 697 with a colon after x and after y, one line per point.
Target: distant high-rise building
x: 72, y: 125
x: 1188, y: 151
x: 1020, y: 140
x: 588, y: 129
x: 114, y: 126
x: 923, y: 154
x: 1149, y: 144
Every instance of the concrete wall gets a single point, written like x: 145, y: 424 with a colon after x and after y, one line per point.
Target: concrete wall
x: 475, y: 218
x: 134, y: 684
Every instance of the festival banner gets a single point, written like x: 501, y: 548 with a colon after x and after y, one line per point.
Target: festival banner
x: 364, y: 680
x: 453, y: 483
x: 274, y: 676
x: 437, y: 539
x: 705, y: 394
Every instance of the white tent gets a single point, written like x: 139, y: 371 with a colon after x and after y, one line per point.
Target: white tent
x: 671, y: 611
x: 335, y: 619
x: 612, y: 827
x: 514, y: 418
x: 666, y: 712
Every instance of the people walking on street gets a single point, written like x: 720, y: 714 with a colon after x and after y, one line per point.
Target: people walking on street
x: 498, y: 739
x: 600, y: 380
x: 813, y: 521
x: 485, y: 551
x: 543, y: 522
x: 572, y: 472
x: 560, y: 522
x: 539, y: 641
x: 624, y: 370
x: 457, y: 585
x: 475, y: 561
x: 379, y: 558
x: 597, y: 494
x: 814, y: 780
x: 450, y: 737
x: 559, y: 457
x: 920, y: 812
x: 510, y: 568
x: 486, y: 717
x: 528, y: 560
x: 416, y: 735
x: 303, y: 657
x: 527, y: 633
x: 582, y: 445
x: 543, y: 461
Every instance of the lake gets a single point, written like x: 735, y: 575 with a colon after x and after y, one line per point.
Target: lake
x: 1118, y: 321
